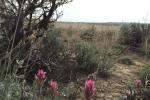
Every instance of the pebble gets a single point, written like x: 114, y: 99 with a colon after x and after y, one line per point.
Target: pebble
x: 101, y: 95
x: 115, y: 94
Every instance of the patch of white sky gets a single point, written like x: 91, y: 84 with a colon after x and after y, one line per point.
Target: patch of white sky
x: 106, y: 11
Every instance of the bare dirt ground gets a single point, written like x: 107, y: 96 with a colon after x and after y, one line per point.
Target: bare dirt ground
x: 114, y: 88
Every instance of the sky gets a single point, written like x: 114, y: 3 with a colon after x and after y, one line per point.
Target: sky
x: 106, y: 11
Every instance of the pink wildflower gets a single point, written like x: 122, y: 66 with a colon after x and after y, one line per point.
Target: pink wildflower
x: 89, y: 89
x: 40, y: 74
x: 53, y: 89
x: 53, y: 85
x: 138, y: 83
x: 40, y: 77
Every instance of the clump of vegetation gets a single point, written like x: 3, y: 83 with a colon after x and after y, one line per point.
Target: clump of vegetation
x: 145, y: 74
x: 91, y: 58
x: 131, y: 34
x: 105, y: 60
x: 136, y: 36
x: 86, y: 56
x: 125, y: 60
x: 108, y: 50
x: 89, y: 34
x: 10, y: 89
x: 145, y: 51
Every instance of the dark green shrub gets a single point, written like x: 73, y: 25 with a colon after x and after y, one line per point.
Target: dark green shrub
x: 145, y: 72
x: 131, y: 34
x: 137, y: 37
x: 105, y: 59
x: 134, y: 34
x: 92, y: 58
x: 145, y: 52
x: 52, y: 45
x: 86, y: 55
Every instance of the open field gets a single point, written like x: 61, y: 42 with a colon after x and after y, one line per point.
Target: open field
x: 85, y: 26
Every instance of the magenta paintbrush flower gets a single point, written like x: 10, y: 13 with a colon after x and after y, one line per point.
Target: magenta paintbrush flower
x: 53, y: 85
x: 40, y: 78
x: 53, y: 89
x: 138, y: 83
x: 89, y: 89
x: 40, y: 74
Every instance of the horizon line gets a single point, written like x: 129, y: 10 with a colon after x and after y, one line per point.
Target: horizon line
x: 103, y: 22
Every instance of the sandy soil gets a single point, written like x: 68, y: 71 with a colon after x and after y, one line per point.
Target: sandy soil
x: 114, y: 88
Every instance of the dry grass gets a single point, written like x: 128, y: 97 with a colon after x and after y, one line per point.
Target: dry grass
x: 84, y: 26
x: 72, y: 31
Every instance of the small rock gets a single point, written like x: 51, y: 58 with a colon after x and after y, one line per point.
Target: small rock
x: 101, y: 95
x: 118, y: 85
x: 124, y: 98
x: 115, y: 94
x: 109, y: 97
x: 105, y: 84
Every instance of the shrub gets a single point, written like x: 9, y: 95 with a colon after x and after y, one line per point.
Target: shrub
x: 131, y: 34
x: 105, y: 60
x: 92, y: 58
x: 137, y: 37
x: 88, y: 34
x: 51, y: 43
x: 86, y: 56
x: 12, y: 89
x: 145, y: 73
x: 145, y: 50
x: 134, y: 34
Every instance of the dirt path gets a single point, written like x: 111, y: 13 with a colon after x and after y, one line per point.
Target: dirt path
x: 114, y: 87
